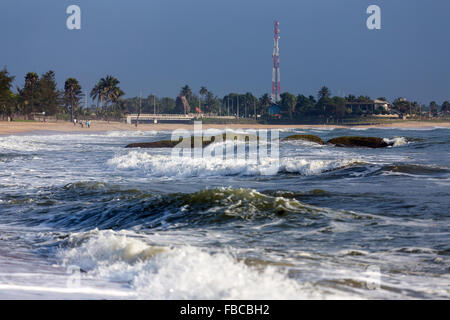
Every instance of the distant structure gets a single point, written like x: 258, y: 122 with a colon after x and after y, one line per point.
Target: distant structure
x: 276, y: 65
x: 182, y: 105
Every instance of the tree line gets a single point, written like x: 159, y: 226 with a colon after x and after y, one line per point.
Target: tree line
x: 40, y: 94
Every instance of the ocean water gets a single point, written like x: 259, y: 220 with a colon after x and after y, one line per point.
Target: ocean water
x: 83, y: 217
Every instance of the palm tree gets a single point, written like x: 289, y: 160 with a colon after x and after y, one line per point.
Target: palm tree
x: 72, y: 95
x: 186, y: 91
x: 324, y: 93
x: 289, y: 100
x: 96, y: 93
x: 445, y: 108
x: 265, y: 102
x: 203, y: 91
x: 107, y: 91
x: 30, y: 91
x: 6, y: 95
x: 210, y: 101
x: 250, y: 101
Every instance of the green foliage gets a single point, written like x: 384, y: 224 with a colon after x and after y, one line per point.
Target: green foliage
x: 49, y: 96
x: 29, y: 94
x: 324, y: 92
x: 445, y: 108
x: 72, y: 96
x: 434, y: 108
x: 401, y: 105
x: 7, y: 98
x: 290, y: 101
x: 305, y: 105
x: 186, y: 91
x: 42, y: 95
x: 108, y: 95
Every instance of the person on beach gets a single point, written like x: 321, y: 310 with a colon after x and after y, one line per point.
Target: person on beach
x: 89, y: 124
x: 74, y: 122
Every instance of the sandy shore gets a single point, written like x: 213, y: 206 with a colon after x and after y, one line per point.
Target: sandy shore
x: 7, y: 128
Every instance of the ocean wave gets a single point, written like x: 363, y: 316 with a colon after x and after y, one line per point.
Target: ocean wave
x: 181, y: 167
x: 62, y: 141
x: 396, y: 142
x: 7, y: 157
x: 85, y: 206
x: 182, y: 272
x: 309, y: 167
x: 413, y: 169
x: 118, y: 134
x: 24, y: 144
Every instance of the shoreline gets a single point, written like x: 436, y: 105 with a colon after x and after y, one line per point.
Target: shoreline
x: 10, y: 128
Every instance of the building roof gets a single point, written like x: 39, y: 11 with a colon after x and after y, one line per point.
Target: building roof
x: 274, y: 109
x: 381, y: 101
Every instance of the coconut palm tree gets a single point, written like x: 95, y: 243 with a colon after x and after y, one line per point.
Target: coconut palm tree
x: 186, y: 91
x: 96, y: 93
x: 203, y: 91
x: 264, y: 102
x: 107, y: 91
x: 289, y: 100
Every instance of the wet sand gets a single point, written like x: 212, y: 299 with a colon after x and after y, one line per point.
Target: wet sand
x: 7, y: 128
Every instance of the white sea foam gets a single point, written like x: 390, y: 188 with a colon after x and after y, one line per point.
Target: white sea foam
x: 22, y: 144
x: 164, y: 166
x: 178, y: 273
x: 397, y: 141
x: 131, y: 133
x: 359, y: 128
x: 310, y: 167
x: 55, y: 142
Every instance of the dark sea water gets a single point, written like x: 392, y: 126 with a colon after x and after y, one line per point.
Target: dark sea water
x: 83, y: 217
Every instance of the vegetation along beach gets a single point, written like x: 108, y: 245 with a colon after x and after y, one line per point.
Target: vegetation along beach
x: 224, y: 150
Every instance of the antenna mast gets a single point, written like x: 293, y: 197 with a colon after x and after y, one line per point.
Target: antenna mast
x: 276, y: 88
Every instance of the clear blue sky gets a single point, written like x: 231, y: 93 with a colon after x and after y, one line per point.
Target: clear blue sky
x: 158, y: 46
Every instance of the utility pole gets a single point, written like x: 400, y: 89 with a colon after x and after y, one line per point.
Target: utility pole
x: 154, y: 105
x: 276, y: 87
x: 237, y: 106
x: 245, y: 109
x: 85, y: 106
x: 139, y: 110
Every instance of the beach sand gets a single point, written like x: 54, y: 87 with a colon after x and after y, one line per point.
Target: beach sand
x: 7, y: 128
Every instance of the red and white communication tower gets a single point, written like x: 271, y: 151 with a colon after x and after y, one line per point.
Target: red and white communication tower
x: 276, y: 65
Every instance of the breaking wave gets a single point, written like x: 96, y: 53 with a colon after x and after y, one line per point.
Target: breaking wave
x: 397, y: 141
x: 113, y: 208
x: 166, y: 166
x: 182, y: 272
x: 24, y: 144
x: 414, y: 169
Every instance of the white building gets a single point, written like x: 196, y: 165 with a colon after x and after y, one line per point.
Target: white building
x: 382, y: 104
